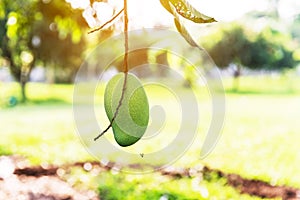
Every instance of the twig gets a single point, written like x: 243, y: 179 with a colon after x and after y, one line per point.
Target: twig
x: 117, y: 110
x: 126, y: 37
x: 126, y: 44
x: 109, y: 21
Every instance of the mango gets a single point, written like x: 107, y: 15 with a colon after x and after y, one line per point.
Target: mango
x: 132, y: 117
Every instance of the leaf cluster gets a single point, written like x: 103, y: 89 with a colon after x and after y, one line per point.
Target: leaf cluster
x: 183, y: 9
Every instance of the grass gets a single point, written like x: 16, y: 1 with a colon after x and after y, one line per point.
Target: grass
x: 154, y: 186
x: 41, y: 133
x: 280, y: 85
x: 259, y: 140
x: 112, y: 185
x: 261, y: 131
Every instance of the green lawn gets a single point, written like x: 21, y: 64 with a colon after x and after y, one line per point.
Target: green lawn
x: 260, y: 138
x: 261, y: 132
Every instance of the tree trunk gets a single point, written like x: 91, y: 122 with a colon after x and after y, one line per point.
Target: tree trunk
x: 25, y: 73
x: 23, y: 81
x: 236, y: 79
x: 23, y: 91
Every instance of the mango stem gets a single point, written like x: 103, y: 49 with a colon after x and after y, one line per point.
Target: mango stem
x: 125, y: 70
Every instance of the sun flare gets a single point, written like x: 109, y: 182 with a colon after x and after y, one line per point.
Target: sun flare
x: 147, y: 14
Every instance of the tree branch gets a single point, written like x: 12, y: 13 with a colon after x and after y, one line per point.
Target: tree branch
x: 117, y: 110
x: 126, y: 44
x: 126, y: 37
x: 109, y: 21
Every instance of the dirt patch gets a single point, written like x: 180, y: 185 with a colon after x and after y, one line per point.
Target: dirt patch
x: 36, y: 183
x: 262, y: 189
x: 41, y: 188
x: 43, y: 183
x: 36, y: 171
x: 244, y: 186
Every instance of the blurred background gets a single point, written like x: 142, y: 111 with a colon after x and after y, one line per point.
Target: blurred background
x: 255, y: 45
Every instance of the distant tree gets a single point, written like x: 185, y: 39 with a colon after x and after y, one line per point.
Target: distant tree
x: 269, y: 51
x: 16, y: 33
x: 61, y: 39
x: 265, y: 50
x: 38, y: 31
x: 232, y: 47
x: 295, y: 28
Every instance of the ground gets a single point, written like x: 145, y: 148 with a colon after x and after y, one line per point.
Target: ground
x: 18, y: 180
x: 255, y: 154
x: 36, y: 186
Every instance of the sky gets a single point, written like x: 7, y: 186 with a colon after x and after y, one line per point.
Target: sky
x: 148, y: 13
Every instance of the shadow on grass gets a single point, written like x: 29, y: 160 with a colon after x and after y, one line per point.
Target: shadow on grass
x: 34, y: 102
x: 50, y: 101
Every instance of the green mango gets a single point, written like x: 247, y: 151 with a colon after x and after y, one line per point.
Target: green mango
x: 132, y: 118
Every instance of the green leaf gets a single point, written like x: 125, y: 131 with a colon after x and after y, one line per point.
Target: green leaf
x: 182, y: 30
x: 186, y: 10
x: 185, y: 34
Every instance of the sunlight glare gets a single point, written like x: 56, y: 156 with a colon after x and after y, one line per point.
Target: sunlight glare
x: 149, y: 13
x: 79, y: 3
x: 104, y: 11
x: 228, y: 10
x: 11, y: 21
x: 289, y: 8
x: 98, y: 14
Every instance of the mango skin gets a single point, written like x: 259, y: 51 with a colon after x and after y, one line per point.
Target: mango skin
x: 132, y: 119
